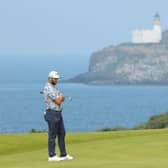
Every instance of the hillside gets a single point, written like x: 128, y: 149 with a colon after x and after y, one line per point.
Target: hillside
x: 128, y: 63
x: 155, y: 122
x: 123, y: 149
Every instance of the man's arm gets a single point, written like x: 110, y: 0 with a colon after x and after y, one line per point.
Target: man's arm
x: 59, y: 99
x: 56, y: 98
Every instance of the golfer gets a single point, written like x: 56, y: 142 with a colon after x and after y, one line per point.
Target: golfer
x: 53, y: 99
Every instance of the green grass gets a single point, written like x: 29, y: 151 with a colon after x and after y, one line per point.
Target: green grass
x: 122, y: 149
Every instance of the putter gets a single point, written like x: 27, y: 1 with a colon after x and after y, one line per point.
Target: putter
x: 69, y: 98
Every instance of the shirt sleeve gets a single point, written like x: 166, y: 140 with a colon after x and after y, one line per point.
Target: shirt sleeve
x: 48, y: 92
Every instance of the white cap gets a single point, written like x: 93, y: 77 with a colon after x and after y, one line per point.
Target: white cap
x: 53, y: 74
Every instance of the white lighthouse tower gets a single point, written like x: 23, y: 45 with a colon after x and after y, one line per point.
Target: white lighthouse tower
x: 157, y: 28
x: 149, y: 36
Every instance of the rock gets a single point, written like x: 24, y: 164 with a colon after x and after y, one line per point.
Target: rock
x: 128, y: 63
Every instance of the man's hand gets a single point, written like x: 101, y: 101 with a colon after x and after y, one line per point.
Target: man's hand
x: 59, y: 99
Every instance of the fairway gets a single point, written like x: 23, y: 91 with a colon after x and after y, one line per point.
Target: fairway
x: 122, y: 149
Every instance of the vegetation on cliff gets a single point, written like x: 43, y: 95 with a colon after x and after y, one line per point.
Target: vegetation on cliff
x: 158, y: 121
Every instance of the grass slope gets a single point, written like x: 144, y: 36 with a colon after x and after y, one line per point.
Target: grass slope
x: 123, y: 149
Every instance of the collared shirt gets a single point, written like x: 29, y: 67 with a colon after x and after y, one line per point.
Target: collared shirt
x: 50, y: 94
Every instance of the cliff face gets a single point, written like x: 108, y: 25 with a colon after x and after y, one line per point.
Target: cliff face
x: 128, y: 64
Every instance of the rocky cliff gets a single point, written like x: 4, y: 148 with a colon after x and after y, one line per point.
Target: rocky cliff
x: 128, y: 63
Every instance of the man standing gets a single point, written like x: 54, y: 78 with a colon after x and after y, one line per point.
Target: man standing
x: 53, y: 116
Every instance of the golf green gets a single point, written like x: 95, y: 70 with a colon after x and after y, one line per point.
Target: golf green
x: 121, y: 149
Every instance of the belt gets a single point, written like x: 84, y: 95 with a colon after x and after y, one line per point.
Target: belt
x: 57, y: 111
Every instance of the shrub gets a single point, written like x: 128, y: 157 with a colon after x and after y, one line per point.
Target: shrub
x: 118, y: 128
x: 155, y: 122
x: 33, y: 130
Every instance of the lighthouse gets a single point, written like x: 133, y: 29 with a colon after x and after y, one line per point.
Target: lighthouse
x: 149, y: 36
x: 157, y: 28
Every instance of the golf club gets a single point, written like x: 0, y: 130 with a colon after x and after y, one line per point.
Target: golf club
x: 69, y: 98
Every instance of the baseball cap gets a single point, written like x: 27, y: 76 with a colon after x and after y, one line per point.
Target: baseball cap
x: 53, y: 74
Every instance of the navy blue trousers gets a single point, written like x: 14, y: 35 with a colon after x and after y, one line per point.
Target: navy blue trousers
x: 55, y: 129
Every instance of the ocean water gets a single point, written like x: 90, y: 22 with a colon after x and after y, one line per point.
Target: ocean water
x: 91, y: 108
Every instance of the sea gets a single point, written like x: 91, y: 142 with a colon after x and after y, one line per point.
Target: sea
x: 91, y: 108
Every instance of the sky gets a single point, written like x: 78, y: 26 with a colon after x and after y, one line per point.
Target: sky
x: 74, y: 27
x: 71, y: 29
